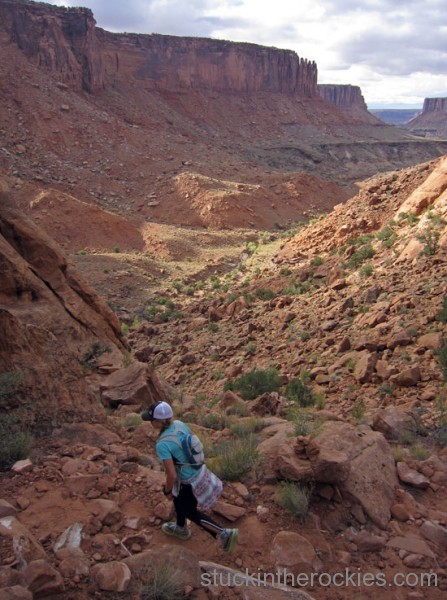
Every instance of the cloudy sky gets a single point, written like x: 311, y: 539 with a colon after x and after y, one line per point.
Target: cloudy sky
x: 395, y: 50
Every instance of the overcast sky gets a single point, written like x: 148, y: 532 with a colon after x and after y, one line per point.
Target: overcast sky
x: 395, y: 50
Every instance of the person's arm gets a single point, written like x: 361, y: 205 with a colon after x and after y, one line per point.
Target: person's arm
x: 171, y: 475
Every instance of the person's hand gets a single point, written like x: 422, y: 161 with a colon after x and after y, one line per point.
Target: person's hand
x: 166, y: 492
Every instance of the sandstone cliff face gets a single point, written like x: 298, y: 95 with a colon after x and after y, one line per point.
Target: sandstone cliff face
x: 67, y: 42
x: 58, y: 39
x: 435, y: 105
x: 169, y: 63
x: 432, y: 121
x: 347, y: 98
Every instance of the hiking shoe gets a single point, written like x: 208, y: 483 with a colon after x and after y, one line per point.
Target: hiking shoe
x: 172, y: 528
x: 229, y: 538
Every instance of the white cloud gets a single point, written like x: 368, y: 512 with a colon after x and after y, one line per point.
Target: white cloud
x: 395, y: 50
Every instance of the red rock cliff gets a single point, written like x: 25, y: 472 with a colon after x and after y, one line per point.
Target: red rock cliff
x: 168, y: 62
x: 67, y: 42
x: 347, y: 98
x: 342, y: 96
x: 59, y: 39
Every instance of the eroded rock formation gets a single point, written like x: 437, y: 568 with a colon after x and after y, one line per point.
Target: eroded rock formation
x: 432, y: 121
x: 347, y: 98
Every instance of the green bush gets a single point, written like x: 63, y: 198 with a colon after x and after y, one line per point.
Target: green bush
x: 295, y: 498
x: 265, y: 294
x: 254, y: 383
x: 363, y: 253
x: 236, y: 457
x: 299, y: 390
x: 15, y: 441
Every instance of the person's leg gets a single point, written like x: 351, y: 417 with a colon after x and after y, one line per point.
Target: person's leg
x: 189, y: 509
x: 227, y: 537
x: 178, y: 527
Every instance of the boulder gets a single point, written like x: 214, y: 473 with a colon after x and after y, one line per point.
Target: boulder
x: 412, y: 477
x: 392, y: 422
x: 294, y: 553
x: 131, y: 385
x: 360, y: 462
x: 26, y: 547
x: 114, y: 576
x: 43, y: 579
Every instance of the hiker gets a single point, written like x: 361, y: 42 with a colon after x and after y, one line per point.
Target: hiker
x: 189, y: 484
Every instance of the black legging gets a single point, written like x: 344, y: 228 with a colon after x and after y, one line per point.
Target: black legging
x: 186, y: 508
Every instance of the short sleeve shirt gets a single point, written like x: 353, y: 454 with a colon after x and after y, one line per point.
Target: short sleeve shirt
x: 167, y: 449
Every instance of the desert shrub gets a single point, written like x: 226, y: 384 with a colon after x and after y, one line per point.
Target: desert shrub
x: 265, y: 294
x: 430, y: 239
x: 366, y: 270
x: 166, y: 583
x: 295, y: 498
x: 9, y: 384
x: 239, y: 410
x: 399, y: 454
x: 244, y: 428
x: 317, y: 261
x: 304, y: 422
x: 162, y: 311
x: 236, y: 457
x: 418, y: 452
x: 90, y: 358
x: 442, y: 315
x: 299, y: 390
x: 15, y: 441
x: 364, y: 252
x: 442, y: 359
x: 358, y: 409
x: 132, y: 421
x: 360, y: 240
x: 254, y: 383
x: 214, y: 420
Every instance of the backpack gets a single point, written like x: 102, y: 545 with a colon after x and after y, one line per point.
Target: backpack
x: 190, y: 444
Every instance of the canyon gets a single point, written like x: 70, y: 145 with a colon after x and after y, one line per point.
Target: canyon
x: 177, y: 214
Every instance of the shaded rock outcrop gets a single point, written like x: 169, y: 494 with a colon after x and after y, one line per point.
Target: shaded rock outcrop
x: 54, y: 326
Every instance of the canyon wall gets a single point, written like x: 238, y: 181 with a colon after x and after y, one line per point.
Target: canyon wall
x: 347, y: 98
x: 166, y: 62
x: 67, y: 42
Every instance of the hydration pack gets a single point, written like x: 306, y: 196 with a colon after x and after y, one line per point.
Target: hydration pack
x: 189, y: 443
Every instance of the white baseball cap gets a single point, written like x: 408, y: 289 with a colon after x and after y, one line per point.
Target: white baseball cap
x: 158, y: 411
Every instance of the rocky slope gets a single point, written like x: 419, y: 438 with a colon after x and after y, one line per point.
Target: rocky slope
x: 432, y: 121
x: 356, y: 301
